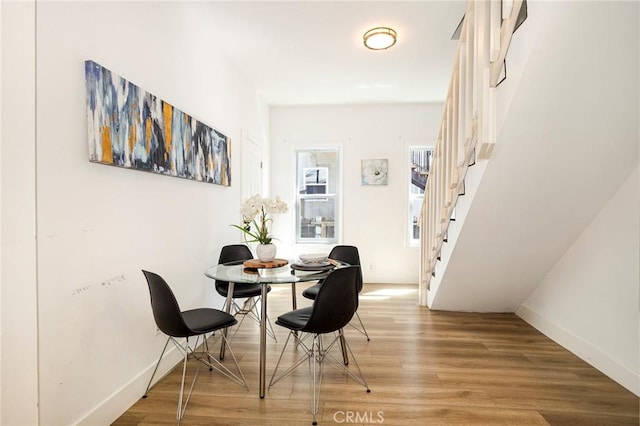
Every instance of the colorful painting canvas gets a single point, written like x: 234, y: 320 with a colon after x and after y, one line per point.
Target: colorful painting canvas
x: 129, y: 127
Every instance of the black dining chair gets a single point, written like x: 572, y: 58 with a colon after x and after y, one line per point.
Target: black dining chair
x: 250, y: 292
x: 350, y: 255
x: 185, y: 324
x: 332, y: 309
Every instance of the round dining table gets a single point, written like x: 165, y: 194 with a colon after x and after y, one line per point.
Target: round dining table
x: 236, y: 273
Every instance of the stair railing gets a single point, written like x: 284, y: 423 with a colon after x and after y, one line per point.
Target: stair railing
x: 467, y: 130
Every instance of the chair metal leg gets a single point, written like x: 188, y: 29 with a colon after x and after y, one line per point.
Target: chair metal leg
x: 214, y: 364
x: 359, y: 377
x: 254, y: 315
x: 295, y: 365
x: 206, y: 347
x: 180, y: 413
x: 275, y: 369
x: 208, y: 360
x: 317, y: 355
x: 362, y: 328
x: 343, y: 347
x: 227, y: 308
x: 203, y: 354
x: 206, y: 357
x: 250, y: 310
x: 156, y: 369
x: 182, y: 408
x: 355, y: 361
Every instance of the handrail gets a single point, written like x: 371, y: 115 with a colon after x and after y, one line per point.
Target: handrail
x: 504, y: 37
x: 467, y: 129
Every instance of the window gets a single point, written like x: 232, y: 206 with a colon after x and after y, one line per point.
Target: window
x: 317, y: 184
x: 420, y: 160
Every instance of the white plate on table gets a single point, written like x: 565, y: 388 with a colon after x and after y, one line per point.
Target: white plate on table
x: 317, y: 267
x: 314, y: 259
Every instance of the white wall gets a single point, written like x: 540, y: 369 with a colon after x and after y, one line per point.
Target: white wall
x: 97, y: 226
x: 374, y: 217
x: 19, y: 377
x: 588, y: 301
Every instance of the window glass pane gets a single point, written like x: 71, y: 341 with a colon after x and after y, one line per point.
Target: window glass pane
x: 317, y: 217
x: 420, y: 160
x: 315, y: 180
x: 316, y: 208
x: 321, y: 165
x: 416, y: 205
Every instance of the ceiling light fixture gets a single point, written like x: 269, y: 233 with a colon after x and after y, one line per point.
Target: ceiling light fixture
x: 379, y: 38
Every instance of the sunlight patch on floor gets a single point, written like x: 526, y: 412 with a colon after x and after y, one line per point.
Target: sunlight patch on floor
x: 386, y: 293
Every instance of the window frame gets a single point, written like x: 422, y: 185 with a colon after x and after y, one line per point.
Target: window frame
x: 300, y: 181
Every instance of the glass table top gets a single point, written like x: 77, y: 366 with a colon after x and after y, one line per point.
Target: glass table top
x: 237, y: 273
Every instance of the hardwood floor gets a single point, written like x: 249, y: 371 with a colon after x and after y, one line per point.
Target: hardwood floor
x: 423, y: 367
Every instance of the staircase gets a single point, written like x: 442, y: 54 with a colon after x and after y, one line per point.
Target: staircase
x: 467, y: 131
x: 565, y: 123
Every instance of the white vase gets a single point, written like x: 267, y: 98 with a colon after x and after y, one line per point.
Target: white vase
x: 266, y: 252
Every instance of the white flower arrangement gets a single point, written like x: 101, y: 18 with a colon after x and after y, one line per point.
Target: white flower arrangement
x: 255, y: 219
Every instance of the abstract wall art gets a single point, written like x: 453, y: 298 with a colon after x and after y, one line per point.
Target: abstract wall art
x: 375, y: 172
x: 129, y: 127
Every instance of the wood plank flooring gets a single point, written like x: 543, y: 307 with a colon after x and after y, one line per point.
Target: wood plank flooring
x: 423, y: 367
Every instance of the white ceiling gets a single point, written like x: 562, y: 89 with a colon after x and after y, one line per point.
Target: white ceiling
x: 311, y: 52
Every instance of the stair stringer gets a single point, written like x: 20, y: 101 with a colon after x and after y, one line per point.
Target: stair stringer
x: 472, y: 181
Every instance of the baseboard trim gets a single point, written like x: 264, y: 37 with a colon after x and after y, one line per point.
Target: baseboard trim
x: 122, y: 399
x: 583, y: 349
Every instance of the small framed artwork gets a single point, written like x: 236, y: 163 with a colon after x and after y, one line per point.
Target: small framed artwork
x: 375, y: 172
